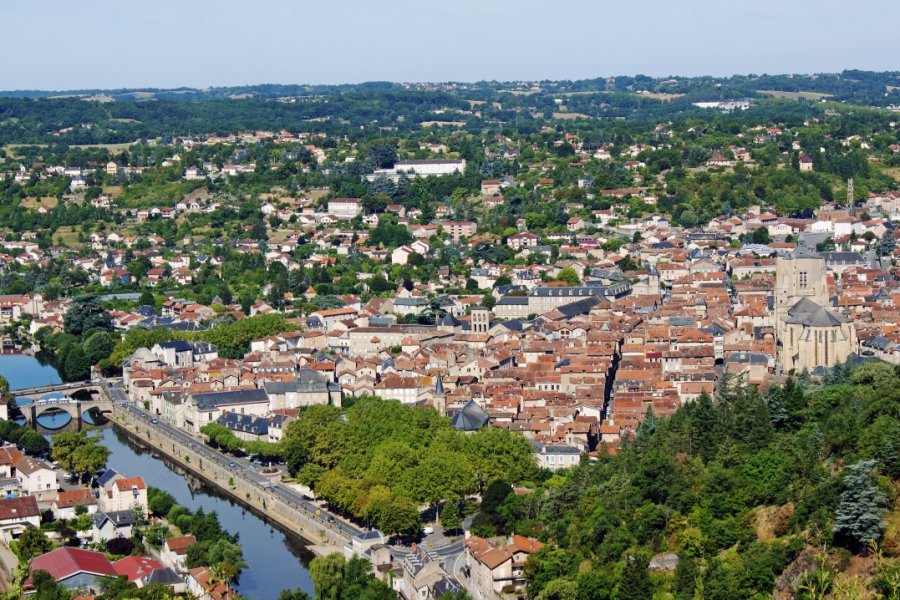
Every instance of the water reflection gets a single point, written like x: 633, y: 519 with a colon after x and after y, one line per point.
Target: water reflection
x: 276, y: 561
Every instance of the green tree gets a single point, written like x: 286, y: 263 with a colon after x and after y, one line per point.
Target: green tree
x: 99, y: 346
x: 147, y: 298
x: 399, y: 516
x: 85, y: 314
x: 32, y: 543
x: 686, y: 574
x: 32, y: 442
x: 559, y: 589
x: 450, y: 517
x: 569, y: 275
x: 77, y: 365
x: 79, y: 452
x: 327, y: 575
x: 859, y: 519
x: 761, y: 235
x: 47, y: 588
x: 635, y: 583
x: 294, y: 594
x: 160, y: 502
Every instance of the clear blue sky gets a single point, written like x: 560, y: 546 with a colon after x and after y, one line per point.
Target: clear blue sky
x: 68, y: 44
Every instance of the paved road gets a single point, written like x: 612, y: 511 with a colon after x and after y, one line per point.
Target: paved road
x: 443, y: 549
x: 239, y: 466
x: 46, y: 389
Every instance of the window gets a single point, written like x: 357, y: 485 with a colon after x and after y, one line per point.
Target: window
x: 803, y: 279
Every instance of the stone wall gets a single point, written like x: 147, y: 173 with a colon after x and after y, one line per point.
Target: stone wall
x: 322, y: 536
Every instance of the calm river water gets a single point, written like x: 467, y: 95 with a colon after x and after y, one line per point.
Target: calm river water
x: 276, y: 560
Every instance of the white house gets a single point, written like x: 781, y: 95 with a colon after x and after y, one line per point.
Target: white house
x: 124, y: 494
x: 35, y: 476
x: 16, y: 514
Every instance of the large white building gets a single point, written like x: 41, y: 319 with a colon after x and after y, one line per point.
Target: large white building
x: 345, y: 208
x: 420, y: 168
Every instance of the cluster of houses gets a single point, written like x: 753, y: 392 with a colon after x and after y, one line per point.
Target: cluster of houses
x: 488, y: 568
x: 32, y: 487
x: 574, y: 367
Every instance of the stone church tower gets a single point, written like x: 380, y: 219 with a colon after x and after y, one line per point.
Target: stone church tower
x: 807, y: 332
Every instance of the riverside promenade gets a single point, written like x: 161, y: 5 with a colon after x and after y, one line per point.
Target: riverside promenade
x: 267, y: 498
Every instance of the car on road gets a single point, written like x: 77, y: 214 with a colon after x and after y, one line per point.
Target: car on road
x: 428, y: 530
x: 330, y: 519
x: 154, y: 421
x: 231, y: 464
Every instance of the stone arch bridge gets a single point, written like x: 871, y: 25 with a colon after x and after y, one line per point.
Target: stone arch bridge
x: 97, y: 397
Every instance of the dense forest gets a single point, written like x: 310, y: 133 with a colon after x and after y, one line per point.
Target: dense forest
x: 129, y: 115
x: 756, y: 493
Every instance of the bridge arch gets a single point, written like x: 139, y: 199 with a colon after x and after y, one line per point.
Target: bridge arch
x: 67, y: 398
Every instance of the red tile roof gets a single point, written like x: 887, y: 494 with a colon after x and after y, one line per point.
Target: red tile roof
x: 17, y: 508
x: 62, y: 563
x: 179, y: 545
x: 74, y: 498
x: 125, y: 484
x: 135, y: 567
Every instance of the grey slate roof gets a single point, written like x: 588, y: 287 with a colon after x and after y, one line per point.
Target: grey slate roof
x: 119, y: 518
x: 244, y: 423
x: 843, y: 258
x: 808, y: 313
x: 752, y: 358
x: 470, y: 417
x: 215, y: 399
x: 163, y: 576
x: 307, y: 380
x: 107, y: 476
x: 177, y: 346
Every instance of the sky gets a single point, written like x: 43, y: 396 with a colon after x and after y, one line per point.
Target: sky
x: 86, y: 44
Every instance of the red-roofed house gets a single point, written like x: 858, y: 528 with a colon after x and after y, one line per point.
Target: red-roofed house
x: 8, y: 457
x: 136, y: 567
x: 18, y: 513
x: 64, y: 505
x: 174, y: 551
x: 495, y: 568
x: 74, y: 568
x: 204, y: 586
x: 124, y: 494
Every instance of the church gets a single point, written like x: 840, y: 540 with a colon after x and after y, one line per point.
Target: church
x: 808, y: 333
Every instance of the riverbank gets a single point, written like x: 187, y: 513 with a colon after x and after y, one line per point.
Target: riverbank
x: 262, y: 502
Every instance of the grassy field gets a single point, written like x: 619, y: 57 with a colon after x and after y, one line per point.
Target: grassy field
x: 893, y: 172
x: 113, y: 148
x: 113, y: 191
x: 33, y: 203
x: 66, y: 236
x: 660, y: 96
x: 794, y: 95
x: 568, y: 115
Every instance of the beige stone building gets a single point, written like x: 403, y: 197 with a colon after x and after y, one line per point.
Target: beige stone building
x: 808, y: 333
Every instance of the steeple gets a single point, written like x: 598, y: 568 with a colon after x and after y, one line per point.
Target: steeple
x: 439, y: 398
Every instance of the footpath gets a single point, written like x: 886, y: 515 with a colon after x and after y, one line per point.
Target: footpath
x: 10, y: 564
x: 264, y: 502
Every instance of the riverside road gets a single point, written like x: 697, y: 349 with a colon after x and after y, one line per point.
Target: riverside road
x: 439, y: 547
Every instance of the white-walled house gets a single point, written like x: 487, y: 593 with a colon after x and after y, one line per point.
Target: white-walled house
x: 35, y: 476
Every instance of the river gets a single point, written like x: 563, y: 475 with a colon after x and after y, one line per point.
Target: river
x: 275, y: 560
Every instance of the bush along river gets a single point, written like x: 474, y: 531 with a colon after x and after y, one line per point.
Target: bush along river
x: 275, y: 560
